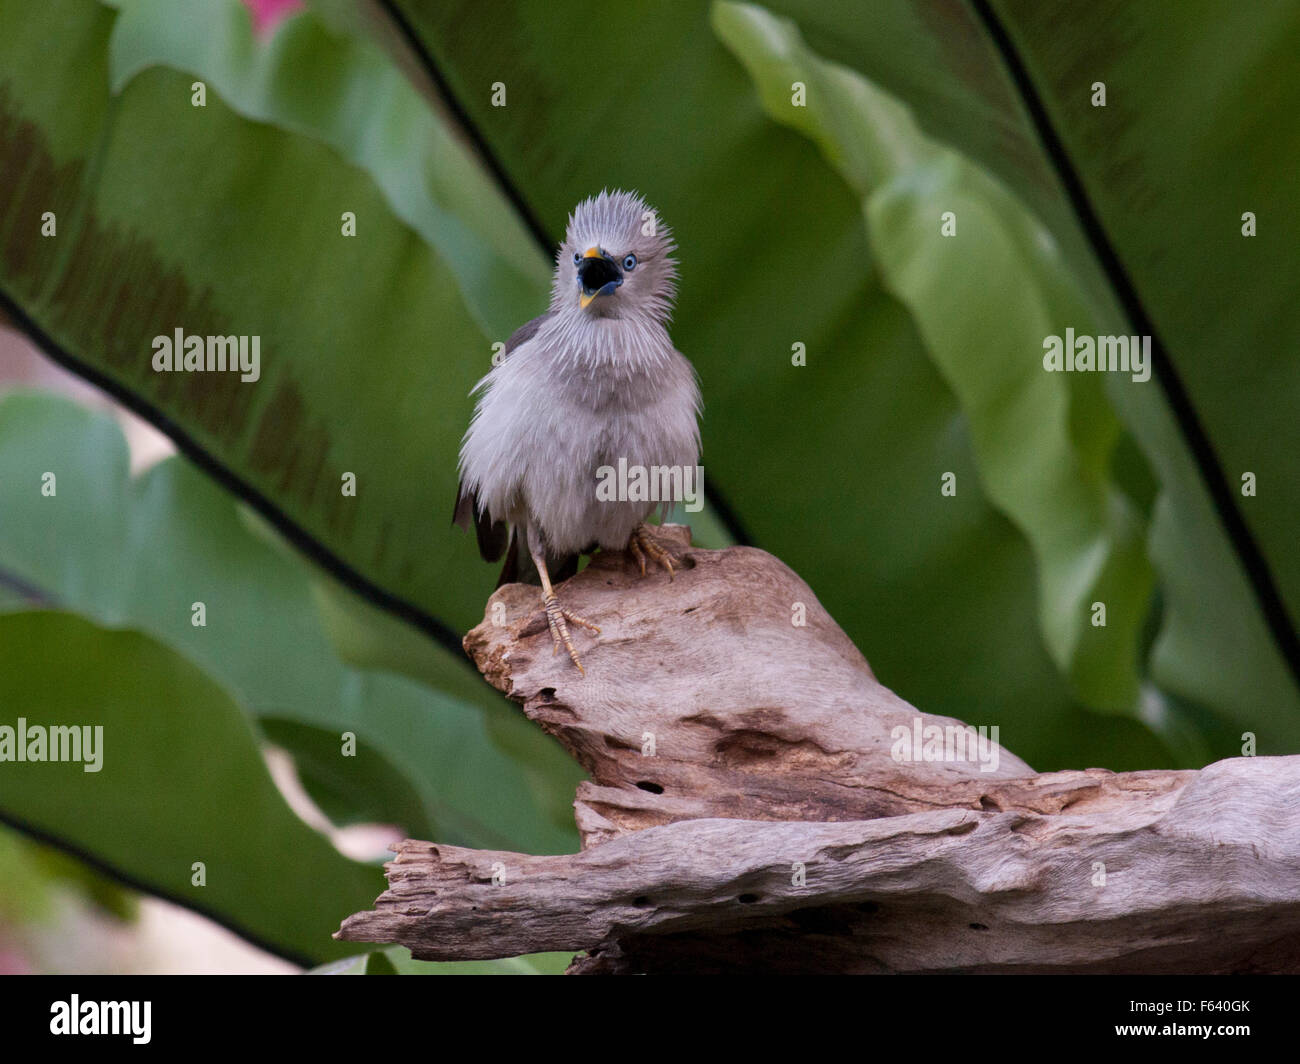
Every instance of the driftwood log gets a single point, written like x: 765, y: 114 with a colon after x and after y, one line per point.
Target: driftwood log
x: 746, y: 812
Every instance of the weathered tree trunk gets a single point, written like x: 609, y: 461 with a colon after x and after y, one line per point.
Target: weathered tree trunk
x: 746, y: 812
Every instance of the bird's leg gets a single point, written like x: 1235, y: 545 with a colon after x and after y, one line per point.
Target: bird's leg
x: 556, y: 615
x: 642, y: 542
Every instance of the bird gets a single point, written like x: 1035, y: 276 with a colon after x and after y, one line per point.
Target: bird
x: 592, y: 381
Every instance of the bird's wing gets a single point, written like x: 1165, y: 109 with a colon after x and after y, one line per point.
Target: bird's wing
x: 524, y: 333
x: 492, y: 536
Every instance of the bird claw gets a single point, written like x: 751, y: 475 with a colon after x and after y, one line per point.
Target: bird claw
x: 641, y: 543
x: 556, y: 620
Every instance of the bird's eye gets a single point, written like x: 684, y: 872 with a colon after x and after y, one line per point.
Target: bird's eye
x: 577, y: 258
x: 629, y: 263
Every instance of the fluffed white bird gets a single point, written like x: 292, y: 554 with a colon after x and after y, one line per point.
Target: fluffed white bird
x: 594, y: 380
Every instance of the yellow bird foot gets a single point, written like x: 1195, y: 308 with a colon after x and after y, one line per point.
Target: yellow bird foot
x: 643, y: 543
x: 557, y: 618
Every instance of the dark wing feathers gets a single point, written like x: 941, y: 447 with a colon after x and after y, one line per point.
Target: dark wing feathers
x: 510, y: 571
x: 492, y: 536
x: 524, y: 333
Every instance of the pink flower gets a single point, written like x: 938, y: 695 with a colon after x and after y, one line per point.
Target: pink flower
x: 267, y: 14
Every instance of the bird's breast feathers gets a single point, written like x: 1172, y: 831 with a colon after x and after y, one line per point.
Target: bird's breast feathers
x: 545, y: 425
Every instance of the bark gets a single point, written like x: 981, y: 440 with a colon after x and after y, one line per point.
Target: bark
x: 747, y: 811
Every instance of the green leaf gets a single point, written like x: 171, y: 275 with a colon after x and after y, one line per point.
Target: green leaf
x: 1207, y: 91
x: 1174, y: 248
x: 142, y: 551
x: 344, y: 92
x: 201, y: 219
x: 1043, y: 441
x: 180, y: 781
x: 1200, y: 90
x: 368, y: 638
x: 1214, y: 648
x: 938, y: 60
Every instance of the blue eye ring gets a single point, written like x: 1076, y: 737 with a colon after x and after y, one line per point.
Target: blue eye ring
x: 577, y: 258
x: 629, y: 263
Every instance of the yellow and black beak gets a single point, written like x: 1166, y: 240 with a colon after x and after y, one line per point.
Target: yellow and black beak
x: 598, y: 275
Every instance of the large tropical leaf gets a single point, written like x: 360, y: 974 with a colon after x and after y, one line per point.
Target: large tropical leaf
x: 1198, y: 129
x: 345, y: 93
x: 1196, y: 132
x: 174, y: 216
x: 950, y: 240
x: 180, y: 782
x: 1014, y: 86
x: 142, y: 551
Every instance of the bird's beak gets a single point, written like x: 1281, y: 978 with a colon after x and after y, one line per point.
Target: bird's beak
x: 598, y: 275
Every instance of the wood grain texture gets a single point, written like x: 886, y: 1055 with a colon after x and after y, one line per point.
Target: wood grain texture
x: 745, y: 812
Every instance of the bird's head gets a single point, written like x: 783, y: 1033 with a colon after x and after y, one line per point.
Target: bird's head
x: 616, y: 260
